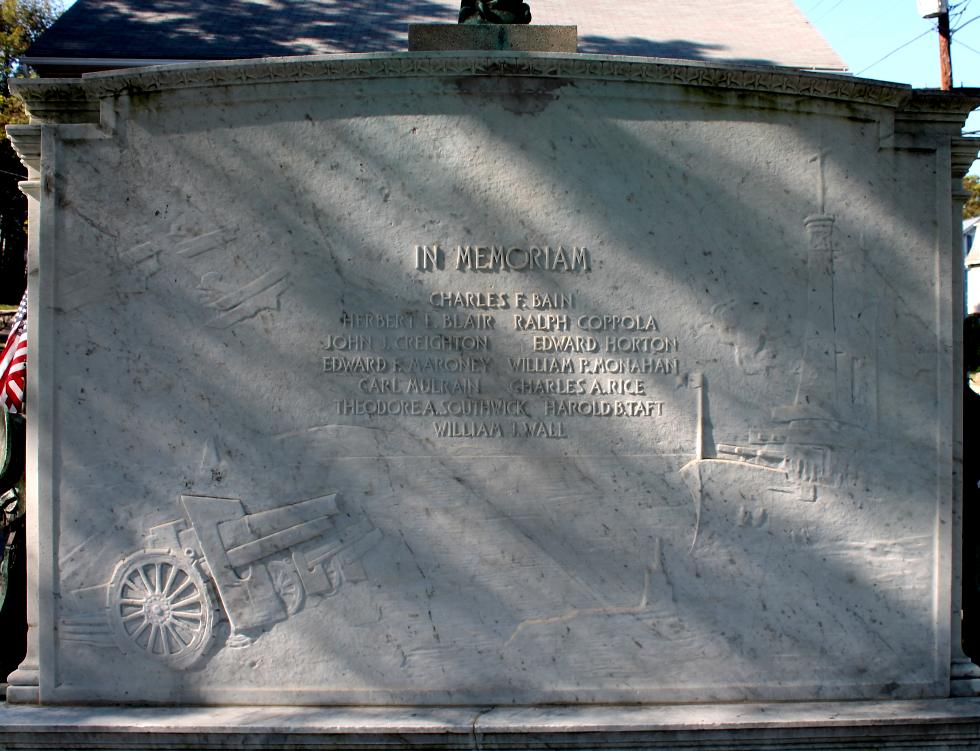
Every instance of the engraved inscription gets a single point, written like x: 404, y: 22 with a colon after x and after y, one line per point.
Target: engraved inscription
x: 524, y: 362
x: 503, y: 258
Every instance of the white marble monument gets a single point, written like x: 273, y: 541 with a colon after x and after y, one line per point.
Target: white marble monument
x: 486, y: 379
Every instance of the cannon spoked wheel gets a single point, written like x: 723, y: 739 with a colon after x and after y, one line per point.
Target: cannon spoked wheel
x: 159, y: 606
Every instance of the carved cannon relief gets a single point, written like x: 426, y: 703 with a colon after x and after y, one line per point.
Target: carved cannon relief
x: 218, y: 561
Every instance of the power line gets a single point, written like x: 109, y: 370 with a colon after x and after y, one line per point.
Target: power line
x: 897, y: 49
x: 960, y: 8
x: 835, y: 7
x: 962, y: 44
x: 965, y: 23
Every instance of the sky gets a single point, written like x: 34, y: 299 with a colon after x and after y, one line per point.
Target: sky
x: 870, y: 34
x: 888, y: 40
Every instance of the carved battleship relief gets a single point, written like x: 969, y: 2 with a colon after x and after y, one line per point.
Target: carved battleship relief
x: 807, y: 444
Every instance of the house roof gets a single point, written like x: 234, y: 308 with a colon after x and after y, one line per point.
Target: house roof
x: 99, y: 34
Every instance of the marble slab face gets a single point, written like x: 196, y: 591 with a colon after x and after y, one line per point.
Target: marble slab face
x: 458, y: 389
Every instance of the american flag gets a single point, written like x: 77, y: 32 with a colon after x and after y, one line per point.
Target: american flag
x: 13, y: 362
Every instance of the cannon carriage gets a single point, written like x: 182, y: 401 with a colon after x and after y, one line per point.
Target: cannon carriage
x: 254, y: 568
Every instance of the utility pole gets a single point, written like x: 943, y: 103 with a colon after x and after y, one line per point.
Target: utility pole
x: 939, y: 9
x: 945, y: 58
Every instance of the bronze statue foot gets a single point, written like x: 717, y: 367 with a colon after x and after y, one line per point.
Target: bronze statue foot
x: 494, y: 11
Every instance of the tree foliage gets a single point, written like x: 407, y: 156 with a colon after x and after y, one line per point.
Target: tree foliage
x: 21, y: 23
x: 972, y: 206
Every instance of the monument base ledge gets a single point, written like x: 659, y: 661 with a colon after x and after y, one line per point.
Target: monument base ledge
x: 926, y: 724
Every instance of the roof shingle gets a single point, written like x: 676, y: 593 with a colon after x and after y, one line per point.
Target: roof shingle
x: 769, y: 32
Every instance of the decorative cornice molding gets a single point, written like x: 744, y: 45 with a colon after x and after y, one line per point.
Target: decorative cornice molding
x: 935, y: 113
x: 958, y: 101
x: 77, y: 100
x: 963, y: 152
x: 56, y: 100
x: 26, y: 140
x: 49, y: 93
x: 534, y: 65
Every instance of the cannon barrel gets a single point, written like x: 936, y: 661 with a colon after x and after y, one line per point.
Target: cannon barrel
x: 264, y: 533
x: 250, y: 552
x: 252, y: 527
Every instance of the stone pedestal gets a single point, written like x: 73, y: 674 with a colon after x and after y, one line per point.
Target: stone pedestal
x: 570, y: 383
x: 430, y: 37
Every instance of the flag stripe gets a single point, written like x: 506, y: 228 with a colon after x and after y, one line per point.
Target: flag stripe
x: 13, y: 362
